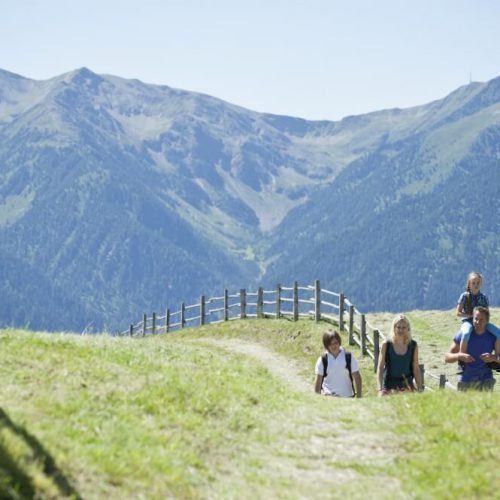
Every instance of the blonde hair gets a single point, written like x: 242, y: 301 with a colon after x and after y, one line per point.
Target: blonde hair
x: 395, y: 321
x: 472, y: 276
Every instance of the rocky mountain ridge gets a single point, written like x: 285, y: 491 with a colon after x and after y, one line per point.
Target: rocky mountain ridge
x: 126, y: 196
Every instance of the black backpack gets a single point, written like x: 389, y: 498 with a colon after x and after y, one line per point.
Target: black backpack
x: 348, y: 357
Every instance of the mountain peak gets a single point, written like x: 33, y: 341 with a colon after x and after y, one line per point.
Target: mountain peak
x: 83, y: 77
x: 83, y: 72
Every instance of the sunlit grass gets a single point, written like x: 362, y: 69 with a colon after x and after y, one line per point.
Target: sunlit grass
x: 125, y: 412
x: 451, y: 444
x: 182, y: 416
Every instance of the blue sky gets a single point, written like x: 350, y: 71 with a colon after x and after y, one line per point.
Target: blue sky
x: 318, y: 59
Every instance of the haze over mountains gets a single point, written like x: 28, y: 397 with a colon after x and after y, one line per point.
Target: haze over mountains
x: 118, y: 197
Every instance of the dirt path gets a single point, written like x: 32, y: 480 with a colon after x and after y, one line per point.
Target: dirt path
x: 326, y: 441
x: 280, y: 366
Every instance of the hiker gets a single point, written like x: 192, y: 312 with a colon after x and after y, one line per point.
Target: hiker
x: 337, y: 372
x: 398, y: 368
x: 476, y: 363
x: 467, y: 301
x: 472, y: 297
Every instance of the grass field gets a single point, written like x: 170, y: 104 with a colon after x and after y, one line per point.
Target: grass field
x: 227, y: 411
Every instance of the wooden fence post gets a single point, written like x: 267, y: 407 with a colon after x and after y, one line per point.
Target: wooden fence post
x: 363, y: 334
x: 341, y: 311
x: 153, y: 324
x: 295, y: 301
x: 202, y: 310
x: 226, y: 304
x: 167, y: 320
x: 243, y: 303
x: 351, y: 325
x: 144, y: 324
x: 183, y: 315
x: 131, y: 330
x: 317, y: 301
x: 260, y: 302
x: 376, y: 348
x: 278, y: 301
x: 442, y: 381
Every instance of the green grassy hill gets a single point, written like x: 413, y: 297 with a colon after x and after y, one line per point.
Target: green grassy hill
x: 226, y: 411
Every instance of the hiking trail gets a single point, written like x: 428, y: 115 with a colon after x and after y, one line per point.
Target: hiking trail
x: 316, y: 447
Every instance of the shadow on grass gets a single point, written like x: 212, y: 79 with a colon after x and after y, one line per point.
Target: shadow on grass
x: 13, y: 478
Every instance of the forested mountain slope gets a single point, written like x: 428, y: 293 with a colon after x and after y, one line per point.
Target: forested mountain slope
x: 119, y: 197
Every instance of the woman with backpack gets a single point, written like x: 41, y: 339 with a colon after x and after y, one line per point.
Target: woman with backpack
x: 398, y: 367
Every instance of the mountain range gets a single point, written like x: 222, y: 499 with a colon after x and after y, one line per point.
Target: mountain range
x: 119, y: 197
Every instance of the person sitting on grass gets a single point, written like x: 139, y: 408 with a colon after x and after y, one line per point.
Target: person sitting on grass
x: 478, y: 360
x: 337, y: 370
x: 398, y: 368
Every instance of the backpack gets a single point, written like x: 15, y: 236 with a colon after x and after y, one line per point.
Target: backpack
x: 348, y: 357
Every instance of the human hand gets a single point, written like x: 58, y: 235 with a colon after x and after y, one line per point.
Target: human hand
x: 466, y: 358
x: 487, y: 357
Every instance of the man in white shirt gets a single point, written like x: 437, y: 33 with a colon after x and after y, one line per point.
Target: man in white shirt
x: 341, y: 376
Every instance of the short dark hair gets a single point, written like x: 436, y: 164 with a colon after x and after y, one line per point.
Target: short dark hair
x: 483, y: 310
x: 330, y: 335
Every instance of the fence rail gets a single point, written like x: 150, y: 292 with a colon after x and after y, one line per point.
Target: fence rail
x: 293, y: 302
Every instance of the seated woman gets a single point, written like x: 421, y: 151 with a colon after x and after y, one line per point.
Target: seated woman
x: 398, y: 368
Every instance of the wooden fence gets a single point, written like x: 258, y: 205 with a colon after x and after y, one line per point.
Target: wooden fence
x: 294, y: 302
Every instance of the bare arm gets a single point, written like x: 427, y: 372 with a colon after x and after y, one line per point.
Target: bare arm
x: 461, y: 312
x: 416, y: 369
x: 358, y: 382
x: 381, y: 366
x: 464, y: 344
x: 454, y: 355
x: 317, y: 384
